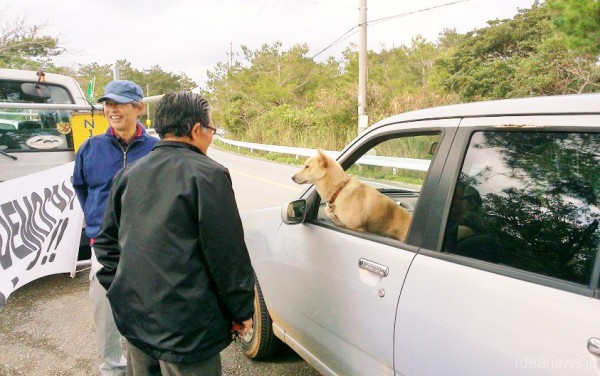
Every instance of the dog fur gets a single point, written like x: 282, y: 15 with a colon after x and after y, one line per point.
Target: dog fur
x: 350, y: 203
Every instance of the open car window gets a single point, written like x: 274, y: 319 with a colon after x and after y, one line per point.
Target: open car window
x: 397, y: 167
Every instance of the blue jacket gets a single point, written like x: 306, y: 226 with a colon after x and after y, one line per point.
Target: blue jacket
x: 98, y: 159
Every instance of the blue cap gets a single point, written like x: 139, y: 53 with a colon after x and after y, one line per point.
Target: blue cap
x: 122, y: 91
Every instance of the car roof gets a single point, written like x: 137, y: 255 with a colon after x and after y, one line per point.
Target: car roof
x: 31, y: 76
x: 548, y: 105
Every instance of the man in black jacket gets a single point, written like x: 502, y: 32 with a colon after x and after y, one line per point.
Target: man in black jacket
x: 175, y: 263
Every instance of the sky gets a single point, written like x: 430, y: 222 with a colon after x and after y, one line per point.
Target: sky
x: 192, y: 36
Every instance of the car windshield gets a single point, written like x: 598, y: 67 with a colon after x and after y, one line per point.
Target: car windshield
x: 26, y: 129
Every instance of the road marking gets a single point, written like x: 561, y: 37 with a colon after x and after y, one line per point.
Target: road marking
x: 267, y: 181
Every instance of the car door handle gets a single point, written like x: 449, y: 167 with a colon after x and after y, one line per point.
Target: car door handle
x: 593, y: 346
x: 374, y: 267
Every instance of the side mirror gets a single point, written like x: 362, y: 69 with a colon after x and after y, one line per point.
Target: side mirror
x: 294, y: 212
x: 36, y: 90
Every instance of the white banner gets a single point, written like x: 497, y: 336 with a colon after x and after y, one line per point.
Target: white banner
x: 40, y: 227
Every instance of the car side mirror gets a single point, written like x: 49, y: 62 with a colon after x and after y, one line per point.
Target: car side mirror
x: 294, y: 212
x: 36, y: 90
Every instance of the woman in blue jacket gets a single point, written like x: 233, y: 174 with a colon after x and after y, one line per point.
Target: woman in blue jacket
x: 96, y: 163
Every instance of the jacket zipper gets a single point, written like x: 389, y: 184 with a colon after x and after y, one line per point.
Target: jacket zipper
x: 125, y: 151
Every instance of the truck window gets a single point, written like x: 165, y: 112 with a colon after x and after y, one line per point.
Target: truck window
x: 34, y: 130
x: 529, y: 200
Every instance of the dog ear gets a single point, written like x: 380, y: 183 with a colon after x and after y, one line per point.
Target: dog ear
x: 323, y: 158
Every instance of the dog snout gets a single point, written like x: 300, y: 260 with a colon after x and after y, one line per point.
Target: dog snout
x: 297, y: 179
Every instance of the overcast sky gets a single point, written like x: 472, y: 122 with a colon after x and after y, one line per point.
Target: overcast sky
x: 191, y: 36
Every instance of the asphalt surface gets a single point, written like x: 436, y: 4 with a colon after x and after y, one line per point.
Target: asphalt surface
x: 46, y: 329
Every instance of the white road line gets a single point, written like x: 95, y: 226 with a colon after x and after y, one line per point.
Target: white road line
x: 267, y: 181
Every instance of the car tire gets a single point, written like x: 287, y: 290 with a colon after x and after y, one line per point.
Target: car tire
x: 263, y: 343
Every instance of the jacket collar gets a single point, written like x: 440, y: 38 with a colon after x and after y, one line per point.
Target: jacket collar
x: 141, y: 130
x: 177, y: 144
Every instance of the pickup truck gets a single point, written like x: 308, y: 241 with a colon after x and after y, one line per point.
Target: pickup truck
x: 33, y: 140
x: 37, y: 138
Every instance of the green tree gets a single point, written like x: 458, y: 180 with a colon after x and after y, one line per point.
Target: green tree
x: 524, y: 56
x: 26, y: 47
x: 270, y: 94
x: 580, y: 21
x: 279, y: 96
x: 153, y: 81
x: 103, y: 74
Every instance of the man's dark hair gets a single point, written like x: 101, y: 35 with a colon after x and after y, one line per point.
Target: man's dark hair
x: 177, y: 112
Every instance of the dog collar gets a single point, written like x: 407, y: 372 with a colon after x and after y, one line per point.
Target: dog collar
x: 330, y: 202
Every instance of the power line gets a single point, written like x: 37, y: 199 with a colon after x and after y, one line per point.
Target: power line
x: 269, y: 17
x: 341, y: 38
x: 346, y: 35
x: 413, y: 12
x: 330, y: 4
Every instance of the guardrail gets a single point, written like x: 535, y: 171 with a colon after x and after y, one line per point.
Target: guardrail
x: 368, y: 160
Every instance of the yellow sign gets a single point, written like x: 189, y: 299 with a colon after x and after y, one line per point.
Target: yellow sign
x: 85, y: 126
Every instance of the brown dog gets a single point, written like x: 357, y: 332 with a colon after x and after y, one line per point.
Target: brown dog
x: 351, y: 203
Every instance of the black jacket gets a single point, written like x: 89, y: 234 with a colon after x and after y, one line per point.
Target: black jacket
x: 174, y: 259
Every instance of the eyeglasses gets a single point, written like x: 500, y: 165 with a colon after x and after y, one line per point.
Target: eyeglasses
x: 212, y: 128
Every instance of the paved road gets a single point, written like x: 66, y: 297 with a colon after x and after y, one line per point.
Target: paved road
x: 46, y: 327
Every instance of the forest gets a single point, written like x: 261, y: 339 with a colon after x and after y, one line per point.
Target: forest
x: 275, y: 95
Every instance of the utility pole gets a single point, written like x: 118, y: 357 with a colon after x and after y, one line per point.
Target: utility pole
x: 116, y: 72
x: 148, y: 120
x: 363, y: 118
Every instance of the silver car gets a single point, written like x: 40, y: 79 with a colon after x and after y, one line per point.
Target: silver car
x: 499, y: 273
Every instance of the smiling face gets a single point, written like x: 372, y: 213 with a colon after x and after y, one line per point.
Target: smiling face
x: 123, y: 116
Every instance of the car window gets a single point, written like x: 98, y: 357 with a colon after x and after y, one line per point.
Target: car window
x: 397, y: 167
x: 33, y: 130
x: 529, y: 200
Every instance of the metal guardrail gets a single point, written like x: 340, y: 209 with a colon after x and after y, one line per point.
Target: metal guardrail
x: 368, y: 160
x: 305, y: 152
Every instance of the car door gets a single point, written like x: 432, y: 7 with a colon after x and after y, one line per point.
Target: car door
x: 506, y: 281
x: 341, y: 287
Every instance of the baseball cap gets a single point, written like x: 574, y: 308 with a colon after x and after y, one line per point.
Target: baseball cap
x: 122, y: 91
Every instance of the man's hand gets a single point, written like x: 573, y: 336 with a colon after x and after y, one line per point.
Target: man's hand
x: 247, y: 325
x: 242, y: 329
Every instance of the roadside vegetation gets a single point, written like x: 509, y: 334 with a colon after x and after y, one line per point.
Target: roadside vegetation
x: 283, y: 97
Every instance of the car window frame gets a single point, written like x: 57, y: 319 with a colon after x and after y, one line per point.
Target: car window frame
x: 432, y: 244
x: 351, y: 154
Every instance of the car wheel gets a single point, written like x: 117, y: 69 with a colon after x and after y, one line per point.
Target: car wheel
x: 263, y: 343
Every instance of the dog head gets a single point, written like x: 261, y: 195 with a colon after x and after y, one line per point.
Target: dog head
x: 315, y: 168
